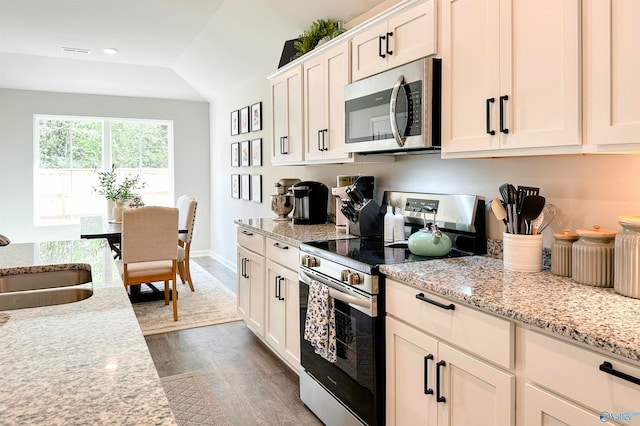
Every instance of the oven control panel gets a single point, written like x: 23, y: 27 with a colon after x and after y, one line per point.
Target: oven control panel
x: 418, y: 204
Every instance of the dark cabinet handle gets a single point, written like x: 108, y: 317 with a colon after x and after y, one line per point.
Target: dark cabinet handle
x: 324, y: 139
x: 247, y: 233
x: 281, y: 247
x: 489, y: 102
x: 389, y: 35
x: 285, y: 145
x: 607, y: 367
x: 380, y: 53
x: 502, y: 101
x: 427, y: 389
x: 281, y: 146
x: 243, y: 270
x: 439, y: 397
x: 276, y: 283
x: 449, y: 307
x: 280, y: 279
x: 319, y: 140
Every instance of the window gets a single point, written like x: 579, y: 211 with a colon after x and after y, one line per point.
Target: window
x: 68, y: 150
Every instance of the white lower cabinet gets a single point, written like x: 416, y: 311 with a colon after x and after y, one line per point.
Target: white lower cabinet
x: 251, y: 289
x: 282, y: 328
x: 580, y: 385
x: 431, y: 382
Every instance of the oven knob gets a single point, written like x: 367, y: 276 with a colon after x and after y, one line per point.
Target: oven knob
x: 310, y: 261
x: 354, y: 278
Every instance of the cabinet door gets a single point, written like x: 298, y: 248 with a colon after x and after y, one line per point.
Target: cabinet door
x: 475, y: 392
x: 470, y: 70
x: 255, y: 275
x: 275, y: 323
x: 368, y: 54
x: 295, y: 135
x: 411, y: 358
x: 243, y: 285
x: 337, y: 75
x: 413, y: 34
x: 613, y: 67
x: 540, y: 44
x: 315, y: 107
x: 279, y: 118
x: 542, y: 408
x: 290, y: 291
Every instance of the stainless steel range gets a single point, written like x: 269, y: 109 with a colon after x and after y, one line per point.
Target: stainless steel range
x: 349, y: 388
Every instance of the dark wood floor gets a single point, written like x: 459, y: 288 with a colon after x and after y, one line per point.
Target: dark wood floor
x: 253, y: 385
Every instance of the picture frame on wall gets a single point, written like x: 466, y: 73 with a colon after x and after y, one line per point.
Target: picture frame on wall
x: 235, y: 186
x: 245, y: 187
x: 235, y: 122
x: 256, y: 117
x: 256, y: 188
x: 244, y: 120
x: 245, y: 154
x: 235, y: 154
x: 256, y: 152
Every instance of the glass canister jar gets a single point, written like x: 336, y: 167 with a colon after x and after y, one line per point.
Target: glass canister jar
x: 627, y: 262
x: 561, y: 252
x: 592, y: 257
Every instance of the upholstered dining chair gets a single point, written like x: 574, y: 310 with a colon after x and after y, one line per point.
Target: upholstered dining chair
x: 149, y: 250
x: 186, y: 220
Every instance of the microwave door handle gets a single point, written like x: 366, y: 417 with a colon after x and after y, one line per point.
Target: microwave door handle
x: 400, y: 140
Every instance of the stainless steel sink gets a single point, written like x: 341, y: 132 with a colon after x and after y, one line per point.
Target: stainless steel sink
x: 31, y: 287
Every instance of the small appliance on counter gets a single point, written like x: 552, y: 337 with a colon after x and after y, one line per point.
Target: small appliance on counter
x: 310, y: 203
x: 339, y: 191
x: 282, y: 202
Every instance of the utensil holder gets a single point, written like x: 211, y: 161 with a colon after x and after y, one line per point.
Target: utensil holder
x: 522, y: 253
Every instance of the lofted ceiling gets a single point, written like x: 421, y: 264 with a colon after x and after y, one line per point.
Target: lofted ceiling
x: 172, y: 49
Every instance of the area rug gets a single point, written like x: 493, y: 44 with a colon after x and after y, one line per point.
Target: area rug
x: 192, y: 401
x: 210, y: 303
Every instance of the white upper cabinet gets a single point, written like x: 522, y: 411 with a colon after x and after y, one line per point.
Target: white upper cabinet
x: 287, y: 130
x: 612, y: 70
x: 325, y: 76
x: 511, y: 77
x: 401, y: 38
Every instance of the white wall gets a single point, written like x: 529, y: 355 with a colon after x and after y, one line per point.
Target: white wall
x: 587, y: 189
x: 17, y: 107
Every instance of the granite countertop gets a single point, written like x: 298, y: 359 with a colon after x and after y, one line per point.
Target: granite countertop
x: 292, y: 234
x: 596, y: 316
x: 78, y: 363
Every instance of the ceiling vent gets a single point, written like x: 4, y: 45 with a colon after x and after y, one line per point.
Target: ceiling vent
x: 76, y: 50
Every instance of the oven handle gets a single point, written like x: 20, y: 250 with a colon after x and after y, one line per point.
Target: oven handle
x: 338, y: 293
x: 392, y: 112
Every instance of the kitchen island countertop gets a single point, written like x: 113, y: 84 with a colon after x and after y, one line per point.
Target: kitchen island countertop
x: 78, y: 363
x: 598, y: 317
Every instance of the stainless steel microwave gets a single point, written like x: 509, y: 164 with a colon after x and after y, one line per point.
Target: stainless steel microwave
x: 396, y: 111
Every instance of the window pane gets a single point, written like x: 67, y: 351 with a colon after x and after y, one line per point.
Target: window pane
x: 54, y: 144
x: 86, y: 145
x: 140, y: 145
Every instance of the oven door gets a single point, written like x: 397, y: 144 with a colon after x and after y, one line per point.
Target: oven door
x: 356, y: 379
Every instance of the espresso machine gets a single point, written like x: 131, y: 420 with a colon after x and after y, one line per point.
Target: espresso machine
x: 310, y: 203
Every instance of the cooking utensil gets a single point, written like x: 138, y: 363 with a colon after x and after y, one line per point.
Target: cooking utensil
x: 505, y: 194
x: 549, y: 211
x: 535, y: 223
x: 499, y: 212
x: 513, y: 195
x: 522, y: 192
x: 532, y: 206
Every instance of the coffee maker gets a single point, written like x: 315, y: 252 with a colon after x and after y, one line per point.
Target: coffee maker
x: 310, y: 203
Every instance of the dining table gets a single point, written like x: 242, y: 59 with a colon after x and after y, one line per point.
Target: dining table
x: 92, y: 227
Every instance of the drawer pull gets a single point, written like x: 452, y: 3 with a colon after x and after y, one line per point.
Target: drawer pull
x: 277, y: 245
x: 247, y: 233
x: 449, y: 307
x: 427, y: 389
x: 608, y: 368
x: 439, y: 397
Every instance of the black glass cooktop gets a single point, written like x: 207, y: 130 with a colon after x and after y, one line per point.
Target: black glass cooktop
x: 368, y: 253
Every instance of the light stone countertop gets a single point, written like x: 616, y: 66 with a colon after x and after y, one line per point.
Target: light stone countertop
x: 292, y: 234
x: 598, y: 317
x: 78, y: 363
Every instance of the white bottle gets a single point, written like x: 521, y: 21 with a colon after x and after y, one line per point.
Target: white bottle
x: 388, y: 225
x: 398, y: 225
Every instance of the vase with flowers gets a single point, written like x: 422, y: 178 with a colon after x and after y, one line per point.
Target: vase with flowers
x: 117, y: 193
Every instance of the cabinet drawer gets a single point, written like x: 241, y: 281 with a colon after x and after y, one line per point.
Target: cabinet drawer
x: 282, y: 253
x: 575, y: 372
x: 483, y: 334
x: 251, y: 240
